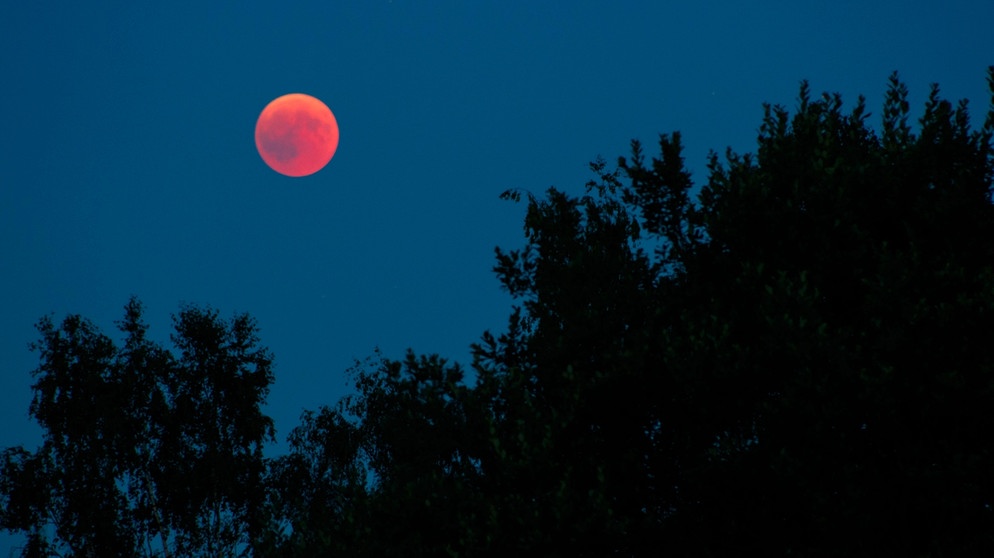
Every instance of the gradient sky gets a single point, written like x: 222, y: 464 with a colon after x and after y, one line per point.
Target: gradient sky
x: 128, y: 164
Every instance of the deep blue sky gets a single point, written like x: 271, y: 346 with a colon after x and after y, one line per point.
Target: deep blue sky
x: 127, y: 162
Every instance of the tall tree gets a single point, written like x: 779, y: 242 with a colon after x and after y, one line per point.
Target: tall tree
x: 835, y: 320
x: 144, y: 452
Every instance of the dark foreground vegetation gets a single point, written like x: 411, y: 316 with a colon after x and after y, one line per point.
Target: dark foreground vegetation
x: 796, y: 360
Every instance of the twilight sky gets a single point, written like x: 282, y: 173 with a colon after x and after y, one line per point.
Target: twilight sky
x: 128, y: 164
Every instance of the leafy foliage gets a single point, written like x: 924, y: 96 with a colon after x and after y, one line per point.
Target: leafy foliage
x: 847, y: 351
x: 143, y: 452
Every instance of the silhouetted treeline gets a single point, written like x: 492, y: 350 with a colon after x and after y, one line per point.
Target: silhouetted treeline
x: 793, y: 359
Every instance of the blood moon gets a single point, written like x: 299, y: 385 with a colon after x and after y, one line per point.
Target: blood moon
x: 296, y: 134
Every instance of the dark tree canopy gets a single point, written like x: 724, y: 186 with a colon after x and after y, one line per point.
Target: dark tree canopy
x: 790, y: 359
x: 144, y: 452
x: 796, y: 363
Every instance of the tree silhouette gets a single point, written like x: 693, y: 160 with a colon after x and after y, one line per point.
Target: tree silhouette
x: 796, y: 363
x: 144, y: 453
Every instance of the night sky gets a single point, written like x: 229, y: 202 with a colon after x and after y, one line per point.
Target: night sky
x: 128, y: 164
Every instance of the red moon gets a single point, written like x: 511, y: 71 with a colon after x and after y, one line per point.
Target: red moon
x: 296, y: 135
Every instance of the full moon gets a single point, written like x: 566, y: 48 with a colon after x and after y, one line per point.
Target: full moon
x: 296, y: 135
